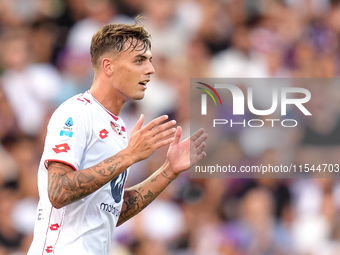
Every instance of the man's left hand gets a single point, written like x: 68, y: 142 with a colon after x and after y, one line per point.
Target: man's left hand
x: 182, y: 155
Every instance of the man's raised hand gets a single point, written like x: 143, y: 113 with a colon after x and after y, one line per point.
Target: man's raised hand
x: 146, y: 140
x: 181, y: 156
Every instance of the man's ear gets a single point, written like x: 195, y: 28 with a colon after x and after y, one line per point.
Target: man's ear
x: 107, y: 66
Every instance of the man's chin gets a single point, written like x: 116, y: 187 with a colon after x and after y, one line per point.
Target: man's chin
x: 140, y: 96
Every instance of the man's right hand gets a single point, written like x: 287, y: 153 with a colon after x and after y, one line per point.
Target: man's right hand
x: 144, y: 141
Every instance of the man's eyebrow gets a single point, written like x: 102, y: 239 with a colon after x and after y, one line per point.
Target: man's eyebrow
x: 142, y: 56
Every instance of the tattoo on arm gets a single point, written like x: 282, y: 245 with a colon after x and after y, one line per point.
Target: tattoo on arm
x: 66, y: 187
x: 134, y: 202
x: 141, y: 195
x: 166, y: 176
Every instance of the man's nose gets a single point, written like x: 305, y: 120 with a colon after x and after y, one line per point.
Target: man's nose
x: 150, y: 69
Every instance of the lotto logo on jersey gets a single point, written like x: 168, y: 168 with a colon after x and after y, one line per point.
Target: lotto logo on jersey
x: 103, y: 134
x: 54, y: 227
x: 61, y: 148
x: 49, y: 249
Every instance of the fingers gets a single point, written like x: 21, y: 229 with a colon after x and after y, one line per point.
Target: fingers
x: 200, y: 148
x: 146, y: 140
x: 162, y: 128
x: 197, y: 134
x: 163, y: 135
x: 164, y: 142
x: 200, y: 140
x: 201, y: 156
x: 138, y: 124
x: 156, y: 122
x: 178, y: 135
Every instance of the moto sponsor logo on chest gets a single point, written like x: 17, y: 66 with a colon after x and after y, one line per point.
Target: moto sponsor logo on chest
x: 110, y: 209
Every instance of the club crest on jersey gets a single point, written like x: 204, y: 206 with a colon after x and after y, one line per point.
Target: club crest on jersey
x: 117, y: 128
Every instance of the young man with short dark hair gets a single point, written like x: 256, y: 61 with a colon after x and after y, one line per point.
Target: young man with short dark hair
x: 87, y: 156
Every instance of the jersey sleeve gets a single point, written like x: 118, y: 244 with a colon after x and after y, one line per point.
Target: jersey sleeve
x: 67, y: 134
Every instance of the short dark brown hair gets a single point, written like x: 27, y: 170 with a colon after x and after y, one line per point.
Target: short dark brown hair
x: 113, y: 37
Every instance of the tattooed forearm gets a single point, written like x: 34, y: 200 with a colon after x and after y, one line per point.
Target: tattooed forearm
x: 65, y: 186
x: 134, y: 202
x: 141, y: 195
x: 132, y: 199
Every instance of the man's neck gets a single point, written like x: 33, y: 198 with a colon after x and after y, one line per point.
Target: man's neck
x: 107, y: 97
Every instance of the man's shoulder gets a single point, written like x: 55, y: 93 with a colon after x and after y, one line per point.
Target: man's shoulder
x: 76, y: 106
x: 76, y: 103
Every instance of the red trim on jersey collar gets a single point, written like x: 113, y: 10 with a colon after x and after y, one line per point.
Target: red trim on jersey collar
x: 111, y: 114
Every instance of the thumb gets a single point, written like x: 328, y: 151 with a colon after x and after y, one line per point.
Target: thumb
x: 138, y: 124
x: 178, y: 135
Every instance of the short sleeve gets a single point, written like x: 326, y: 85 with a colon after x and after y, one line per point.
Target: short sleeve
x: 66, y: 137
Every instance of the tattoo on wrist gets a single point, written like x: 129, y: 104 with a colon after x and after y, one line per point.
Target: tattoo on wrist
x: 166, y: 176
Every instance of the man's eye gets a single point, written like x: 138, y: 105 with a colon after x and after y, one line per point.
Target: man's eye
x: 139, y: 61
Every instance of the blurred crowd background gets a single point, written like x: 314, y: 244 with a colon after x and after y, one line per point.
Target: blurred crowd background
x: 44, y: 60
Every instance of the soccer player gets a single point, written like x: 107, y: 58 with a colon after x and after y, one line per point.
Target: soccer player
x: 87, y: 156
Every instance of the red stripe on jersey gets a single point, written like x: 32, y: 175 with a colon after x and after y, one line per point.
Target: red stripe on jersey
x: 60, y: 161
x: 114, y: 117
x: 48, y: 225
x: 123, y: 129
x: 61, y: 224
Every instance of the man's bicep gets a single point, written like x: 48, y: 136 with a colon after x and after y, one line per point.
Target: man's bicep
x: 55, y: 167
x: 56, y: 174
x: 56, y: 171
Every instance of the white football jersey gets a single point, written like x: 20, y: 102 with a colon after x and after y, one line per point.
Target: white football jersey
x: 81, y: 133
